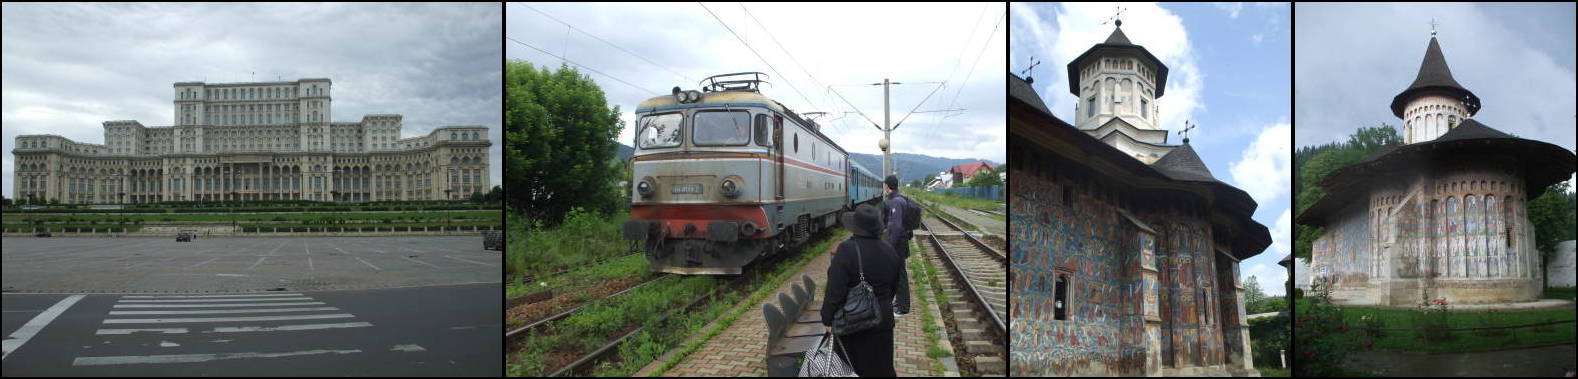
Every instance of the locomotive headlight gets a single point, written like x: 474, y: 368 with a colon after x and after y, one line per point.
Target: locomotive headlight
x: 731, y: 187
x: 645, y: 187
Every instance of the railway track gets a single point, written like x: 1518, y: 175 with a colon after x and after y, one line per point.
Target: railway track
x: 977, y: 290
x: 585, y: 363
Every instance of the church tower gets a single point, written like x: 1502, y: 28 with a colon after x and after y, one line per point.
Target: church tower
x: 1435, y: 103
x: 1117, y: 84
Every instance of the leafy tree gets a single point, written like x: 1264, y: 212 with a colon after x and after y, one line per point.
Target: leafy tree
x: 983, y: 178
x: 1312, y: 165
x: 4, y: 202
x: 1553, y: 216
x: 1252, y: 293
x: 559, y: 143
x: 930, y: 177
x: 495, y: 195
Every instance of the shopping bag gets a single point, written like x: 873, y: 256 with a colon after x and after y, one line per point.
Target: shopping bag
x: 823, y: 362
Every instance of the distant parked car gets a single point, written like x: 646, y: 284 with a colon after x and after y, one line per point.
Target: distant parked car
x: 44, y: 234
x: 493, y: 240
x: 183, y: 237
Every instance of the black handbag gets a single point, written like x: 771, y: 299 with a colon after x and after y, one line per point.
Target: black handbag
x: 860, y: 310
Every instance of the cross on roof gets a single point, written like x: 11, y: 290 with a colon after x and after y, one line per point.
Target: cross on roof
x: 1433, y: 27
x: 1185, y: 131
x: 1116, y: 12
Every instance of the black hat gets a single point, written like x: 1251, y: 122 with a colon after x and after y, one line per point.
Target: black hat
x: 865, y: 221
x: 892, y: 181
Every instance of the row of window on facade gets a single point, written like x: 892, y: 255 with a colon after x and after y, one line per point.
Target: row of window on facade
x: 250, y: 93
x: 1117, y: 93
x: 472, y: 136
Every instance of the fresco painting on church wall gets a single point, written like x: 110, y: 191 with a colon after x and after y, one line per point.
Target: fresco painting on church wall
x: 1344, y: 250
x: 1088, y: 238
x: 1454, y: 237
x: 1474, y: 222
x: 1493, y: 241
x: 1407, y: 265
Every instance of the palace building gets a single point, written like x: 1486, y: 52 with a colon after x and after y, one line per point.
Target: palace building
x: 254, y: 141
x: 1443, y: 215
x: 1125, y: 249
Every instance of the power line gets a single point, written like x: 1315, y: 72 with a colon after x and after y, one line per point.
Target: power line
x: 917, y: 106
x: 758, y: 55
x: 967, y: 75
x: 594, y: 36
x: 852, y: 106
x: 583, y: 66
x: 781, y: 47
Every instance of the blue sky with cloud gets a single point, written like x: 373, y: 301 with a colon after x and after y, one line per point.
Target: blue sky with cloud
x: 1228, y: 73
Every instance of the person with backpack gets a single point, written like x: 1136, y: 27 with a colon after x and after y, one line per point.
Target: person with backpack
x: 902, y: 217
x: 862, y: 274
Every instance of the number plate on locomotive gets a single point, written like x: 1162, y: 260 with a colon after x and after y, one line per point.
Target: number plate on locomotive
x: 693, y: 188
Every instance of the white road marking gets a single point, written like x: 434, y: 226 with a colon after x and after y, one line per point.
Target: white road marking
x: 194, y: 358
x: 205, y: 262
x: 222, y: 319
x: 260, y: 261
x: 242, y: 329
x: 309, y: 264
x: 342, y: 251
x: 468, y: 260
x: 368, y: 264
x: 145, y: 330
x: 207, y: 296
x: 232, y: 275
x: 276, y: 248
x: 27, y: 331
x: 419, y: 262
x: 213, y: 300
x: 304, y: 246
x: 211, y: 305
x: 225, y: 311
x: 168, y: 344
x: 409, y: 348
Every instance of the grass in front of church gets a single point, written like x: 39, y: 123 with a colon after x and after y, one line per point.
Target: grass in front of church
x: 1270, y: 372
x: 1353, y: 317
x: 1569, y: 293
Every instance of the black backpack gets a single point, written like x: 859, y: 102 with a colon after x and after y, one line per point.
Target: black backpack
x: 912, y: 214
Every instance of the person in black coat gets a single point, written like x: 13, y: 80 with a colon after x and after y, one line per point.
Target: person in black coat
x: 870, y: 352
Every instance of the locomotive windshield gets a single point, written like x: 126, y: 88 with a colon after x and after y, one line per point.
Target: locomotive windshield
x: 659, y: 131
x: 722, y: 128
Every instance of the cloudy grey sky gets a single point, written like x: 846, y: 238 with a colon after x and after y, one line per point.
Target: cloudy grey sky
x: 846, y: 46
x: 70, y: 67
x: 1350, y: 59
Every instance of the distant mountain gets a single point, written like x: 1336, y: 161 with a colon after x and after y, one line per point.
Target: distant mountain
x: 625, y: 152
x: 911, y: 166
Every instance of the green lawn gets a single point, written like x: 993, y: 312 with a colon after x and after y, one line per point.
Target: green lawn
x: 1264, y: 372
x: 1465, y: 340
x: 1569, y: 293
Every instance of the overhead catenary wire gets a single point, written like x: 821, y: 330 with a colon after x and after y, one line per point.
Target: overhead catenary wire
x: 758, y: 55
x: 654, y: 93
x: 967, y: 74
x: 594, y: 36
x: 781, y: 47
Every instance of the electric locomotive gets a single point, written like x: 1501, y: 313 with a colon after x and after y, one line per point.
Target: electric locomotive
x: 725, y: 175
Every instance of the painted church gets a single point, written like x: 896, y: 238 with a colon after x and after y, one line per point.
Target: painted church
x: 1125, y: 248
x: 1443, y: 215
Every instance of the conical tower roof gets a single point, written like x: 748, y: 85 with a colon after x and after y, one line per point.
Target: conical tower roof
x: 1434, y: 78
x: 1117, y: 44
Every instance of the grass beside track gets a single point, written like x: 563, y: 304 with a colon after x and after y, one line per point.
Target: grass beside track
x: 764, y: 289
x: 922, y: 272
x: 582, y: 238
x: 958, y: 201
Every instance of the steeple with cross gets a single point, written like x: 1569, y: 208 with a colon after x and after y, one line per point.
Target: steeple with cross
x: 1185, y: 131
x: 1433, y: 28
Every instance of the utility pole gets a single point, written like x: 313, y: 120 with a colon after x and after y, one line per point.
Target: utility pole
x: 887, y: 130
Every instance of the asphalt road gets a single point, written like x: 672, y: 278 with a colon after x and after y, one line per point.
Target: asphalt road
x: 227, y: 265
x: 445, y: 330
